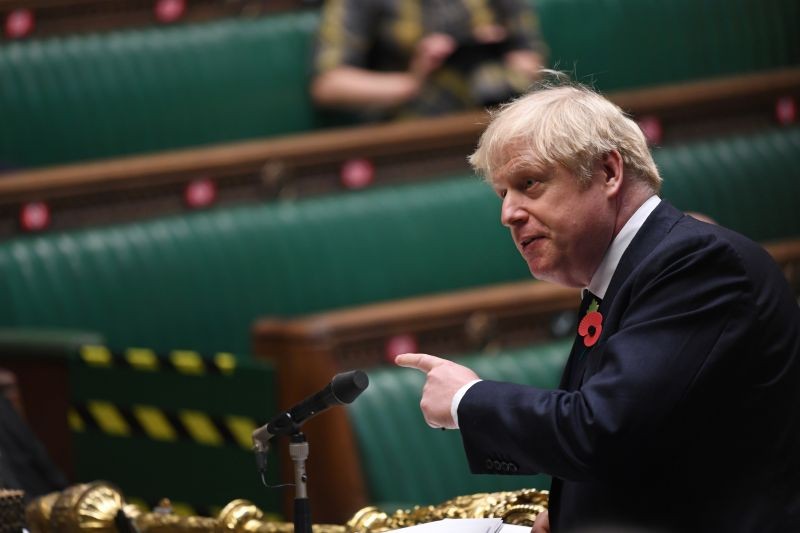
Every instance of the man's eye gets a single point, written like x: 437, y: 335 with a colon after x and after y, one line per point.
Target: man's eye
x: 530, y: 183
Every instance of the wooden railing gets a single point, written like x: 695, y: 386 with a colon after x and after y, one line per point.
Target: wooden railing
x: 313, y: 163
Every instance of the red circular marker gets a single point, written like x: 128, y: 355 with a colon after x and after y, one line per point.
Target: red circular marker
x: 400, y: 344
x: 357, y: 173
x: 651, y: 127
x: 169, y: 10
x: 34, y: 216
x: 786, y: 110
x: 200, y: 193
x: 19, y: 23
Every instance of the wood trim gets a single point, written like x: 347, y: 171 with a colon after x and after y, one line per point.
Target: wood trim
x: 472, y: 320
x: 784, y: 251
x: 700, y: 93
x: 307, y: 149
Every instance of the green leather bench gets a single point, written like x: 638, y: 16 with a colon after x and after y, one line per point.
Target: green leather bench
x: 133, y: 91
x: 635, y: 43
x: 197, y: 281
x: 405, y: 463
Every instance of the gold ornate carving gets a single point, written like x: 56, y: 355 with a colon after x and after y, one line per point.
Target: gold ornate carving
x: 93, y: 506
x: 519, y: 507
x: 90, y: 506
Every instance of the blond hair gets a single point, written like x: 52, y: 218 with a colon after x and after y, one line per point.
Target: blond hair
x: 568, y: 125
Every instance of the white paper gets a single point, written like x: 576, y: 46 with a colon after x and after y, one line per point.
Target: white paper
x: 466, y: 525
x: 511, y: 528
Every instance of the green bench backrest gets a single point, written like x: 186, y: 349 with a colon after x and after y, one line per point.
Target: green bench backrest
x: 623, y: 44
x: 100, y: 95
x: 404, y: 462
x: 750, y: 183
x: 198, y: 280
x: 91, y: 96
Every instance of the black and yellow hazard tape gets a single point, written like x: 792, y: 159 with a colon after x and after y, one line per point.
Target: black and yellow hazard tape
x: 183, y: 361
x: 162, y: 425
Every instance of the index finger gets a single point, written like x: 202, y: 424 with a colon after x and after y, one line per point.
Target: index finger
x: 420, y: 361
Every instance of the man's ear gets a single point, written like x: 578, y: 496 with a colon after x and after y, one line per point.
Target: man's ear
x: 611, y: 167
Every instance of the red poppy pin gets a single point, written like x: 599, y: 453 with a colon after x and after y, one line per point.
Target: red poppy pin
x: 592, y: 325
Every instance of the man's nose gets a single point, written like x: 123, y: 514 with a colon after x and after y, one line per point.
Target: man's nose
x: 511, y: 212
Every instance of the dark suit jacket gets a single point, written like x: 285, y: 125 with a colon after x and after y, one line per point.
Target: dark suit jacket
x: 686, y: 413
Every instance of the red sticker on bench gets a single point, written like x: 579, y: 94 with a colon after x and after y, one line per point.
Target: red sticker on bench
x: 34, y: 216
x: 651, y: 127
x: 357, y: 173
x: 200, y: 193
x: 19, y: 23
x: 786, y: 110
x: 400, y: 344
x: 169, y: 10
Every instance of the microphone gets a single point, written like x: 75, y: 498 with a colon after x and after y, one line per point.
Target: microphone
x: 343, y: 389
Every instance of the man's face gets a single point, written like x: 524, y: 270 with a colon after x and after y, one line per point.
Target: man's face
x: 561, y: 227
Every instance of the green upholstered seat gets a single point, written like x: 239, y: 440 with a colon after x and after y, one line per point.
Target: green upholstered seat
x: 132, y: 91
x: 407, y: 463
x: 623, y: 44
x: 100, y: 95
x: 198, y: 280
x: 747, y: 182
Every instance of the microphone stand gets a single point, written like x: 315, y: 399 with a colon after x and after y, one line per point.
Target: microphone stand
x: 298, y: 451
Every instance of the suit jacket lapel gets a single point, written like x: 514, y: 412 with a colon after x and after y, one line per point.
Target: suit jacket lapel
x: 652, y: 232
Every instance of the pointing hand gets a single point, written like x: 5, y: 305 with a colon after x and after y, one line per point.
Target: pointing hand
x: 444, y: 379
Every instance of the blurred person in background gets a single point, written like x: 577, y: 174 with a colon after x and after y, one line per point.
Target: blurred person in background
x: 389, y: 59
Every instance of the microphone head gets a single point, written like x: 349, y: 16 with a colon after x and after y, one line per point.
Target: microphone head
x: 348, y: 385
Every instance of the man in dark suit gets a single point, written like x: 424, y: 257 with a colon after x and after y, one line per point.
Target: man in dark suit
x: 679, y: 407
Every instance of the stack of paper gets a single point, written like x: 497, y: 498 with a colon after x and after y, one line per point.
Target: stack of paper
x: 466, y: 525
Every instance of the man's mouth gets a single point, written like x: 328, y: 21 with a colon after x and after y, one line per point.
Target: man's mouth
x: 526, y: 241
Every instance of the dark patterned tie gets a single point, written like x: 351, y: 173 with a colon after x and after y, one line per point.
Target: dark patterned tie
x: 576, y: 355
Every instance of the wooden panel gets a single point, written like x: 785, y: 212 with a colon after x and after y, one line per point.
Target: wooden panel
x: 293, y: 166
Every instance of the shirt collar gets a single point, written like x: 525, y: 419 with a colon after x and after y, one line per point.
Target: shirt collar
x: 602, y: 276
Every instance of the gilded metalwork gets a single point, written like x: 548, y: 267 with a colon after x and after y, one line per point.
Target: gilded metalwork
x: 89, y: 506
x: 519, y: 507
x: 92, y: 507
